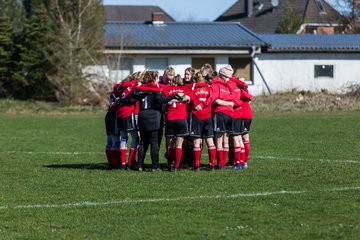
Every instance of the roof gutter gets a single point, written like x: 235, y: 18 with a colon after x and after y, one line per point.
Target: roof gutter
x: 176, y: 51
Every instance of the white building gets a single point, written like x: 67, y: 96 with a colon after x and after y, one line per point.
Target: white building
x: 269, y: 63
x: 308, y: 62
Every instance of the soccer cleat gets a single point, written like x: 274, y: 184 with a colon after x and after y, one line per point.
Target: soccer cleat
x: 171, y: 168
x: 237, y: 167
x: 210, y: 168
x: 140, y: 169
x: 221, y: 168
x: 245, y: 165
x: 177, y: 170
x: 156, y: 170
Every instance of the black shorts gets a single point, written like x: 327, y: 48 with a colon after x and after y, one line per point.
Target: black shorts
x: 222, y: 123
x: 201, y: 128
x: 237, y: 126
x: 127, y: 124
x: 110, y: 123
x: 246, y: 124
x: 176, y: 128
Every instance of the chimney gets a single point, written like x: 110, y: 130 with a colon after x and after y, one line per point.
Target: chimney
x: 157, y: 17
x: 249, y: 7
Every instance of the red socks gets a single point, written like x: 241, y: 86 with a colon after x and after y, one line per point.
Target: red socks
x: 212, y: 155
x: 225, y: 156
x: 178, y: 153
x: 237, y: 156
x: 123, y: 157
x: 247, y: 150
x: 242, y: 155
x: 219, y: 156
x: 115, y: 157
x: 132, y: 156
x: 196, y: 156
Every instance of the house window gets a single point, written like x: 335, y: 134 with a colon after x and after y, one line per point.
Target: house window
x: 324, y: 71
x: 320, y: 6
x: 119, y: 67
x: 156, y: 64
x: 197, y: 63
x: 242, y: 67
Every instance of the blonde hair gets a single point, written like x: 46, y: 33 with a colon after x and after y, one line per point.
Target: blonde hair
x: 208, y: 69
x: 178, y: 80
x: 137, y: 75
x: 199, y: 77
x: 169, y: 71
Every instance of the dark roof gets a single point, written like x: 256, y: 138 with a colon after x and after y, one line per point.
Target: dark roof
x: 268, y: 18
x: 185, y: 35
x: 133, y: 13
x: 312, y: 43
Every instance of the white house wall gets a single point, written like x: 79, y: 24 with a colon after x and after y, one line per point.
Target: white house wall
x: 286, y: 71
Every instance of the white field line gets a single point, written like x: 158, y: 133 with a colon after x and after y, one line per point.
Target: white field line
x: 204, y: 154
x: 302, y: 159
x: 156, y: 200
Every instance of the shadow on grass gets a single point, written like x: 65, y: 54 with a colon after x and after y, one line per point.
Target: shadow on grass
x: 104, y: 166
x: 84, y: 166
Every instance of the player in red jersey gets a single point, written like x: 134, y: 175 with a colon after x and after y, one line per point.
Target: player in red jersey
x: 176, y: 127
x: 222, y: 114
x: 112, y: 135
x: 246, y: 119
x: 126, y: 122
x: 189, y: 82
x: 151, y: 100
x: 236, y: 143
x: 201, y: 126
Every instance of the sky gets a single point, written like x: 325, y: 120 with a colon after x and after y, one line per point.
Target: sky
x: 191, y: 10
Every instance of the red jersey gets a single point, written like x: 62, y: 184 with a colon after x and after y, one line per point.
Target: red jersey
x: 199, y: 95
x: 175, y: 110
x: 188, y: 90
x: 238, y: 103
x: 246, y: 97
x: 220, y: 90
x: 125, y: 89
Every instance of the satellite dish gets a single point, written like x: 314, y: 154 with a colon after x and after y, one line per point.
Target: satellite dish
x: 275, y: 3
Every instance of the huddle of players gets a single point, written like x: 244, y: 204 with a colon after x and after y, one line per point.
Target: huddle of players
x: 202, y: 107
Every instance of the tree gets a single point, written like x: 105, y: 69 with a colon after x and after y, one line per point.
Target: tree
x: 10, y: 26
x: 350, y: 9
x: 6, y: 54
x: 291, y: 20
x: 77, y: 39
x: 34, y: 65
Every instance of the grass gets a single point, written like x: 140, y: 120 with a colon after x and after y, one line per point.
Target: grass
x: 302, y: 183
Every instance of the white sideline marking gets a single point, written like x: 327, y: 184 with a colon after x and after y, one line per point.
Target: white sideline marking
x: 154, y: 200
x: 302, y: 159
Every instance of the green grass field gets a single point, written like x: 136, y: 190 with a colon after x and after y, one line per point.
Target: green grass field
x: 303, y: 182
